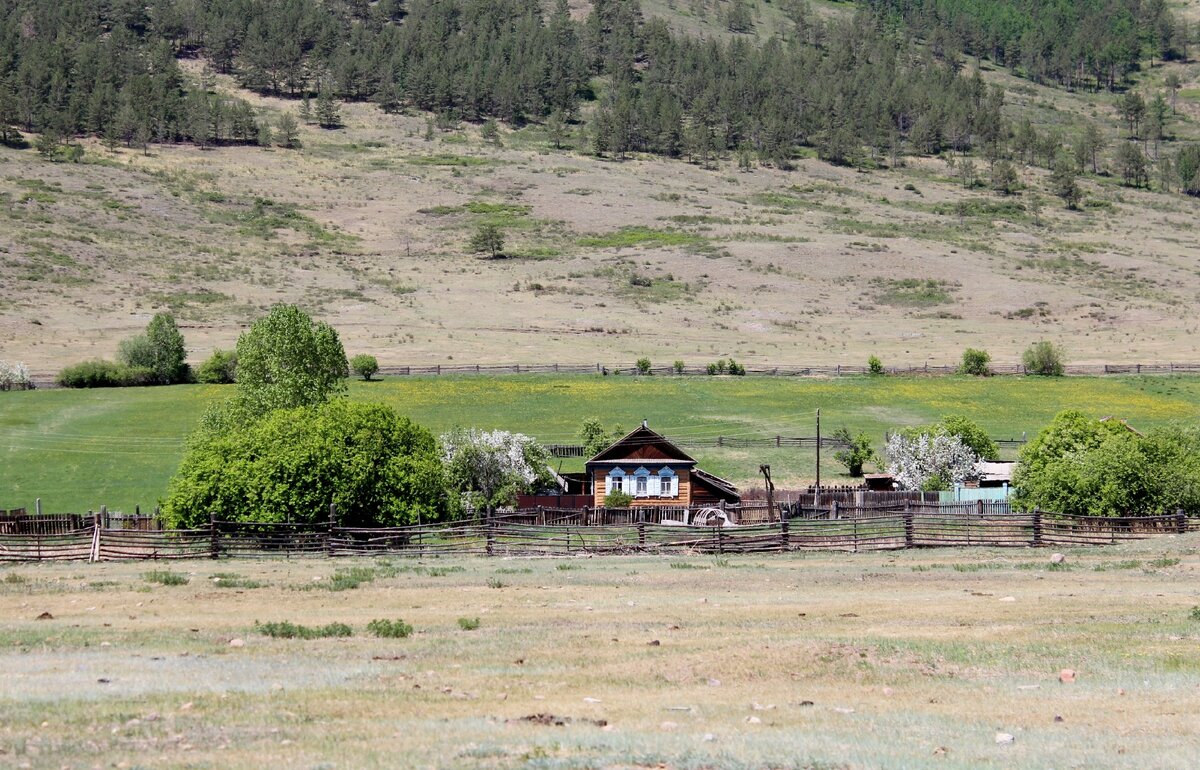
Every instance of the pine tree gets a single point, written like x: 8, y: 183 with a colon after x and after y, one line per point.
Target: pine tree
x: 1062, y: 182
x: 287, y: 131
x: 328, y: 113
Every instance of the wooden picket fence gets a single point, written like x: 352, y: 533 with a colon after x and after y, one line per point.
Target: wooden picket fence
x: 561, y: 533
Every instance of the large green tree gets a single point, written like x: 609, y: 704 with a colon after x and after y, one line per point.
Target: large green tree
x: 287, y: 360
x: 377, y: 468
x: 1084, y: 466
x: 159, y: 350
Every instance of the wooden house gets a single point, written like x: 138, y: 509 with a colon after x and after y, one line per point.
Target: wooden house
x: 655, y: 472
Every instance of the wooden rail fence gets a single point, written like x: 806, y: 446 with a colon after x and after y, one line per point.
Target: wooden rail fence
x: 50, y: 379
x: 568, y: 533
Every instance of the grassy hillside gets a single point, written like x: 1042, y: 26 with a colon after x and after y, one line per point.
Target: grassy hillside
x: 368, y: 227
x: 78, y: 450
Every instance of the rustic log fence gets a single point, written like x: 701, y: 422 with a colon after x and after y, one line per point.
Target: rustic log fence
x: 562, y: 533
x: 50, y: 379
x: 773, y: 370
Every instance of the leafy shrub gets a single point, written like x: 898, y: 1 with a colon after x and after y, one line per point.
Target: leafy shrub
x: 857, y: 452
x: 975, y: 362
x: 1044, y: 358
x: 104, y: 374
x: 618, y: 500
x: 468, y: 624
x: 288, y: 630
x: 495, y: 583
x: 678, y: 367
x: 390, y: 629
x: 874, y: 365
x: 643, y: 366
x: 378, y: 468
x: 165, y: 578
x: 219, y: 369
x: 722, y: 366
x: 364, y: 366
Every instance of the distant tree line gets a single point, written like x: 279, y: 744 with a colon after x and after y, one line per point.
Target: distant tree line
x: 1075, y: 43
x: 858, y: 90
x: 111, y: 69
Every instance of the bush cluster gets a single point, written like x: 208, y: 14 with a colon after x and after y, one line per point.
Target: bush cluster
x: 721, y: 366
x: 104, y: 374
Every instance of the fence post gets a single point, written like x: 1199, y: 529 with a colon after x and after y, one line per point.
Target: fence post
x: 1181, y: 522
x: 833, y: 510
x: 784, y: 535
x: 329, y: 530
x: 491, y: 536
x: 541, y: 516
x: 641, y: 530
x: 720, y: 538
x: 1037, y: 527
x: 37, y: 506
x: 95, y: 554
x: 908, y: 525
x: 103, y: 515
x: 214, y: 539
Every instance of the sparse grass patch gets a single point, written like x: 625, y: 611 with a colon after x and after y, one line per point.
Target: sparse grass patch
x: 630, y: 237
x: 288, y: 630
x: 449, y: 159
x: 468, y: 624
x: 234, y: 580
x: 347, y: 579
x: 164, y: 577
x: 913, y: 292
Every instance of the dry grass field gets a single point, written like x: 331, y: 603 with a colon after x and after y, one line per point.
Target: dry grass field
x: 367, y: 226
x: 897, y: 660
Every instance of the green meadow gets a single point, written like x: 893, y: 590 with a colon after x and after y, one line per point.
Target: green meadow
x: 78, y: 450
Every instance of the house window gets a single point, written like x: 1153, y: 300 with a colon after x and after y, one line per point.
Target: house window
x: 616, y: 481
x: 641, y: 483
x: 668, y: 483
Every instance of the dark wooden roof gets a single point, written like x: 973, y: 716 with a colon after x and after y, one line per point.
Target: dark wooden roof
x: 642, y: 444
x: 719, y: 486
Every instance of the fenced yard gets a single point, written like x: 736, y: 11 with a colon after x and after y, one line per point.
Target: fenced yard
x: 572, y: 532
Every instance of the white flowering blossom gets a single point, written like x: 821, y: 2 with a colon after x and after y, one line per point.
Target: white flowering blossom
x: 915, y: 460
x: 491, y: 467
x: 13, y: 374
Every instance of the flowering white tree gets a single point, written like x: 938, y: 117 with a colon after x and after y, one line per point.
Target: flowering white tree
x: 13, y: 374
x: 490, y: 468
x: 929, y: 461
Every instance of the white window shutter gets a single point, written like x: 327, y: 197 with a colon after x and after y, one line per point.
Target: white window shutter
x: 607, y: 484
x: 674, y: 486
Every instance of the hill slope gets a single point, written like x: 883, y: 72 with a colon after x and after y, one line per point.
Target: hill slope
x: 368, y: 226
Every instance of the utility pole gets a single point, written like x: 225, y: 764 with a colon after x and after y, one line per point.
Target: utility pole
x: 817, y: 499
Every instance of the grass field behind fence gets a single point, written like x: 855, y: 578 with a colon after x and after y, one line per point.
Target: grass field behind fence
x: 78, y: 450
x: 914, y: 659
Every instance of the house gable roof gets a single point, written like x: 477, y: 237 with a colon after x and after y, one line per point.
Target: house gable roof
x: 642, y: 444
